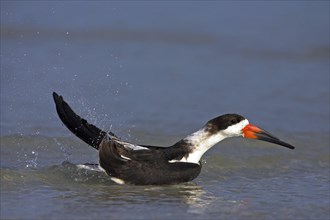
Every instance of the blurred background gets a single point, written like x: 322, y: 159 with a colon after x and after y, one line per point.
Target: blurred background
x: 153, y: 72
x: 169, y: 65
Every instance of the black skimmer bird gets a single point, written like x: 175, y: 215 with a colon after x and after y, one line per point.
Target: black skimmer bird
x: 136, y: 164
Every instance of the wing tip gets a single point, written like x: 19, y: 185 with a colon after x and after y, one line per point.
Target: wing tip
x: 57, y: 97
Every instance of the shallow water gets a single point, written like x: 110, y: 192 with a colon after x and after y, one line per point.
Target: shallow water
x: 241, y: 180
x: 152, y: 79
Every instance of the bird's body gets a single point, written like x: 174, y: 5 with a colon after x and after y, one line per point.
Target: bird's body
x: 129, y: 163
x: 145, y: 165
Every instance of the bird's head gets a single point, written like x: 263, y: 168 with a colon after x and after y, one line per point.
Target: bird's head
x: 231, y: 125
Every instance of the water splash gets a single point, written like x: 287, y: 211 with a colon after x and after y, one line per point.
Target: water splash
x: 66, y: 153
x: 31, y: 159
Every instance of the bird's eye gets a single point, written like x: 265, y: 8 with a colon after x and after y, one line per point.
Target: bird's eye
x: 233, y: 121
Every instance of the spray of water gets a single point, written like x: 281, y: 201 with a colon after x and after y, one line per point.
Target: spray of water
x: 31, y: 159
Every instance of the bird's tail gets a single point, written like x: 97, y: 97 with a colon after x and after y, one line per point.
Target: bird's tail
x: 77, y: 125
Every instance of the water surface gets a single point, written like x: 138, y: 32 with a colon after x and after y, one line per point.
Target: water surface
x: 153, y: 73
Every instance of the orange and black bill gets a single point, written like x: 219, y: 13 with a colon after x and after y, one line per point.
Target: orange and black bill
x: 251, y: 131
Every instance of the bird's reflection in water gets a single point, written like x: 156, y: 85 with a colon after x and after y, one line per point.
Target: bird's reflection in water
x: 96, y: 189
x: 191, y: 194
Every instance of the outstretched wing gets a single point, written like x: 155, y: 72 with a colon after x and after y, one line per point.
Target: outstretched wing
x: 77, y: 125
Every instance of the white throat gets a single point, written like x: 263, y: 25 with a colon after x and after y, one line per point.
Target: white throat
x: 200, y: 142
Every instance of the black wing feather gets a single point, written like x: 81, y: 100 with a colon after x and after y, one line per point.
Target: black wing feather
x: 77, y: 125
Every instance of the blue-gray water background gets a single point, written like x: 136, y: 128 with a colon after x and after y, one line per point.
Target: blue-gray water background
x: 153, y: 72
